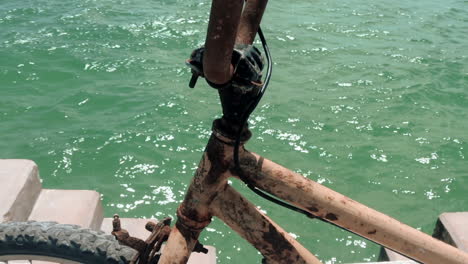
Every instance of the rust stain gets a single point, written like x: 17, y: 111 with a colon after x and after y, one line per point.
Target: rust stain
x: 278, y: 243
x: 300, y: 185
x: 346, y: 200
x: 250, y: 166
x: 189, y: 234
x: 331, y: 217
x: 216, y: 156
x: 279, y: 174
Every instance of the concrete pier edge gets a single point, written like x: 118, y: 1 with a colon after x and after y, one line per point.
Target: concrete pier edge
x: 23, y: 198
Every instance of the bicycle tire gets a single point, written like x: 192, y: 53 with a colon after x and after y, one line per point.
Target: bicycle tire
x: 61, y: 241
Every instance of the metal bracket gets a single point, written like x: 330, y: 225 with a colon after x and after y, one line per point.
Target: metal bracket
x: 148, y: 250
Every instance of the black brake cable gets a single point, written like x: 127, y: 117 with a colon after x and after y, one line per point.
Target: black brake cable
x: 244, y: 119
x: 245, y: 179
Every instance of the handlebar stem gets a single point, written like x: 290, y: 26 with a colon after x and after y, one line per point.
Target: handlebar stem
x: 250, y: 21
x: 220, y: 39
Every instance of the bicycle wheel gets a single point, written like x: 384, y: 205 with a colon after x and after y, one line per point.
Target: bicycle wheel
x: 50, y: 241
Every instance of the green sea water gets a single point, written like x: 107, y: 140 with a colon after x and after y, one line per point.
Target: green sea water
x: 368, y: 98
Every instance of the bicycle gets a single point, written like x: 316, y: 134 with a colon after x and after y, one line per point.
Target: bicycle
x: 225, y: 156
x: 240, y: 88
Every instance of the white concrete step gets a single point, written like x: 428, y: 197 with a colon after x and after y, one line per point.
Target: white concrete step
x: 390, y: 255
x: 19, y: 188
x: 453, y: 229
x: 78, y: 207
x: 136, y: 228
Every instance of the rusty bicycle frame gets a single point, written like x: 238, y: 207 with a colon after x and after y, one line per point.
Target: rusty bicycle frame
x: 209, y: 193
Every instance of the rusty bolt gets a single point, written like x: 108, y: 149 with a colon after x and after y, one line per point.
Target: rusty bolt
x: 116, y: 223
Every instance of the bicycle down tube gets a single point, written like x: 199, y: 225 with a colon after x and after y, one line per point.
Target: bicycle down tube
x: 210, y: 195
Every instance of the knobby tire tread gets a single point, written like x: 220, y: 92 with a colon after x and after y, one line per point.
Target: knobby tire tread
x: 65, y: 241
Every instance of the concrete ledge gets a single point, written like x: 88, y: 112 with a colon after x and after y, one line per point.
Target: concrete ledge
x: 78, y: 207
x: 452, y: 228
x: 136, y: 228
x: 390, y: 255
x: 19, y: 189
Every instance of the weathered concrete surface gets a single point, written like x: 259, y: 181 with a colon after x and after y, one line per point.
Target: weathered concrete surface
x: 390, y: 255
x: 19, y: 188
x: 78, y: 207
x: 453, y: 229
x: 136, y: 228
